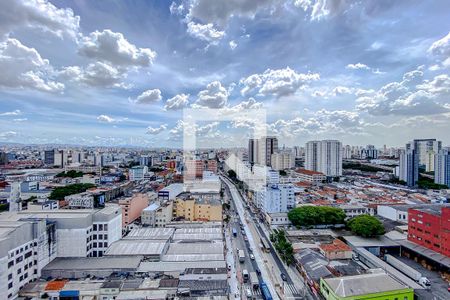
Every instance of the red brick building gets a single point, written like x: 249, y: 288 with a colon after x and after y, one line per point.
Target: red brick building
x: 430, y: 227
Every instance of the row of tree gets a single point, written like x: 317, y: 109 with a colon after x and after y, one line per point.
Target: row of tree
x: 283, y: 246
x: 60, y: 192
x: 309, y: 216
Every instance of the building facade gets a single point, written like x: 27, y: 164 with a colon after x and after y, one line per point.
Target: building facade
x: 325, y: 157
x: 442, y: 167
x: 429, y: 227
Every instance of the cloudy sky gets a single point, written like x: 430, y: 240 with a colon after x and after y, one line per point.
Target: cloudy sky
x: 122, y: 72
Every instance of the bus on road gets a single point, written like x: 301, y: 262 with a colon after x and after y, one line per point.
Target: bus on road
x: 245, y: 275
x: 265, y: 246
x: 234, y: 232
x: 241, y: 255
x: 265, y: 291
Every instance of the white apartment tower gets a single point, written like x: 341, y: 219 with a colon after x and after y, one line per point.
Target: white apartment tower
x: 325, y: 157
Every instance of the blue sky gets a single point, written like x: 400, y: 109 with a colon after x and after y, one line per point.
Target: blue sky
x: 121, y: 72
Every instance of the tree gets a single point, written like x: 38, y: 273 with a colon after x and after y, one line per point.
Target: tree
x: 316, y: 215
x: 60, y: 192
x: 366, y: 226
x: 231, y: 174
x: 283, y: 246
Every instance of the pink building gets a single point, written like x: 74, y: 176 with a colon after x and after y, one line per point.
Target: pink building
x: 132, y: 207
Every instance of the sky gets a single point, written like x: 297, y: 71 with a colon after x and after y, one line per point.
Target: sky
x: 123, y: 72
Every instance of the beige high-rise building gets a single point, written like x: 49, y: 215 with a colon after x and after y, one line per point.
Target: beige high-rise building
x: 282, y: 160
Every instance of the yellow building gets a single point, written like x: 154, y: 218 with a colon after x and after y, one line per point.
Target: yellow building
x: 198, y: 209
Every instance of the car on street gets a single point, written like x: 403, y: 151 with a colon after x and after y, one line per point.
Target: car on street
x: 258, y: 271
x: 252, y: 257
x: 283, y: 277
x: 248, y: 293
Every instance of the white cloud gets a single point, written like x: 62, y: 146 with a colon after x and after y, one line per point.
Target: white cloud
x: 24, y: 67
x: 205, y: 32
x: 233, y: 45
x: 441, y: 50
x: 215, y: 96
x: 177, y: 102
x: 322, y: 122
x: 16, y: 112
x: 322, y: 9
x: 98, y: 74
x: 156, y: 130
x: 219, y: 12
x: 20, y: 120
x: 7, y: 134
x: 208, y: 130
x: 112, y: 47
x: 105, y: 119
x: 412, y: 96
x: 357, y: 66
x: 149, y: 96
x: 441, y: 47
x: 176, y: 9
x: 280, y: 82
x: 42, y: 14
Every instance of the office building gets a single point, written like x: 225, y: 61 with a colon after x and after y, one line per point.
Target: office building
x: 442, y: 167
x: 49, y: 157
x: 137, y: 173
x: 26, y: 246
x: 325, y: 157
x: 282, y: 160
x: 429, y: 226
x: 266, y: 147
x: 370, y: 152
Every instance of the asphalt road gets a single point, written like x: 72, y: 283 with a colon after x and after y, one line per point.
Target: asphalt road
x: 290, y: 287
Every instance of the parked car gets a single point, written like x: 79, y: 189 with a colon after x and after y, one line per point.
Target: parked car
x: 283, y: 277
x: 252, y: 257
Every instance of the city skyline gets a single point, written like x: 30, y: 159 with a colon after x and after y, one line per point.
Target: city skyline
x: 92, y: 74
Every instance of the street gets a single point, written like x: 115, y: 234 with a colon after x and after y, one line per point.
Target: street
x: 269, y: 264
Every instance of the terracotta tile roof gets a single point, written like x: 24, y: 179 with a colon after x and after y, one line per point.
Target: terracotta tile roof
x: 308, y: 172
x: 336, y: 245
x: 55, y: 285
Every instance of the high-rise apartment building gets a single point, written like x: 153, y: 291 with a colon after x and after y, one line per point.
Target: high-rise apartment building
x: 409, y: 166
x: 325, y: 157
x: 424, y: 149
x: 282, y: 160
x: 442, y: 167
x: 266, y: 147
x: 370, y: 152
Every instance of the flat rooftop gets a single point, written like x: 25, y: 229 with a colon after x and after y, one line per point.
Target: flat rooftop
x: 350, y: 286
x: 136, y: 247
x: 147, y: 233
x: 94, y: 263
x: 178, y: 266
